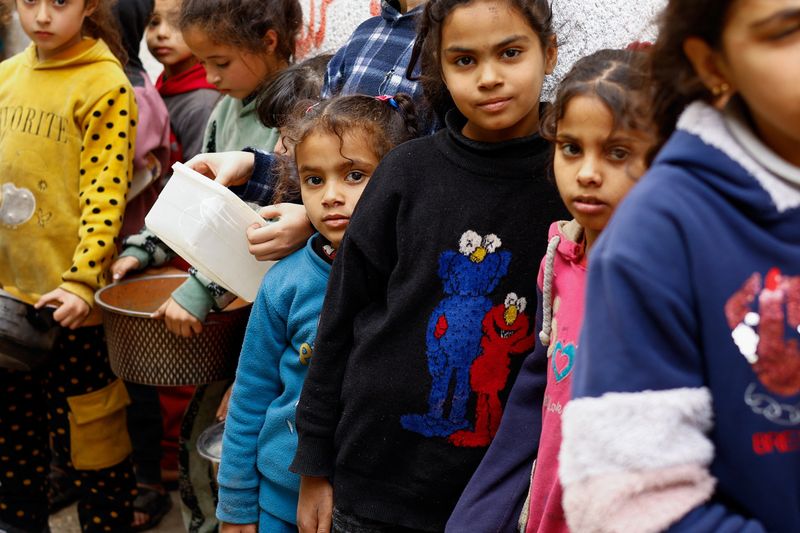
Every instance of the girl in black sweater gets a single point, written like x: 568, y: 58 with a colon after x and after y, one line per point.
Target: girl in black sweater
x: 439, y: 260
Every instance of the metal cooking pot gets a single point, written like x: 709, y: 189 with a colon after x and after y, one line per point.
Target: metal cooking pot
x: 27, y: 335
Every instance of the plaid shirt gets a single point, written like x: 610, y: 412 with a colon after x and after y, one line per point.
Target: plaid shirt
x: 375, y: 58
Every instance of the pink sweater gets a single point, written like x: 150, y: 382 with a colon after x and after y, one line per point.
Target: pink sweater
x: 562, y: 283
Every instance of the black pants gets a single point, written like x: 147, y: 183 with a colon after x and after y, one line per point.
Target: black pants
x: 38, y: 409
x: 147, y: 430
x: 349, y: 523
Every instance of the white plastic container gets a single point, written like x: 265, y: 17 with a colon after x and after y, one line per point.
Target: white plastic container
x: 205, y: 223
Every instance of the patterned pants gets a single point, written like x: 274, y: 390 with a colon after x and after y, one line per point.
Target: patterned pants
x: 76, y: 405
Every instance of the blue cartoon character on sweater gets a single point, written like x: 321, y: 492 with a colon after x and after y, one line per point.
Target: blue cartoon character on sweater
x: 454, y: 329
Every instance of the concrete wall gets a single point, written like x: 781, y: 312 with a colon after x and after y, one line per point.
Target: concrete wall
x: 583, y: 26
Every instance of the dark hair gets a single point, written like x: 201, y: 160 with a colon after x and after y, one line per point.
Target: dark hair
x: 385, y: 123
x: 102, y: 24
x: 675, y: 82
x: 538, y: 13
x: 244, y: 23
x: 5, y: 23
x: 279, y: 95
x: 618, y: 78
x: 132, y: 17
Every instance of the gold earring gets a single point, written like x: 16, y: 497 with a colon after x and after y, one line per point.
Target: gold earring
x: 720, y: 89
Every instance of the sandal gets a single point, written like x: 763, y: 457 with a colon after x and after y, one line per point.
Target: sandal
x: 61, y: 491
x: 153, y: 503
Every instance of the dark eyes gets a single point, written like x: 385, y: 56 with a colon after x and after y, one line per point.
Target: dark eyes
x: 570, y: 149
x: 313, y: 180
x: 510, y: 53
x: 618, y: 154
x: 355, y: 176
x: 785, y: 33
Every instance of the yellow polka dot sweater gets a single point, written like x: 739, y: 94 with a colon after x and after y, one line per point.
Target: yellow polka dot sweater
x: 67, y: 128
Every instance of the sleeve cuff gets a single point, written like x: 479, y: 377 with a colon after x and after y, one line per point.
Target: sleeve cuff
x: 314, y: 457
x: 238, y: 506
x: 138, y: 253
x: 193, y: 297
x: 85, y: 292
x: 261, y: 185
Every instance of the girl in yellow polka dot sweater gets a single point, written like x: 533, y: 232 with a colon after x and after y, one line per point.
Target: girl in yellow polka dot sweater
x: 67, y: 127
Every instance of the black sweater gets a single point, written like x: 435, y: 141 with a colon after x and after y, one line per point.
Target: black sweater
x: 446, y: 229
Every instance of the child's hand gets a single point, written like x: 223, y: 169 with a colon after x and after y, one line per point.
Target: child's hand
x: 123, y: 265
x: 222, y: 410
x: 277, y: 240
x: 179, y: 321
x: 238, y: 528
x: 315, y: 506
x: 226, y: 168
x: 72, y: 309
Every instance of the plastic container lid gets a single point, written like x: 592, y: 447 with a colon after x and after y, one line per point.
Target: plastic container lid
x: 205, y: 223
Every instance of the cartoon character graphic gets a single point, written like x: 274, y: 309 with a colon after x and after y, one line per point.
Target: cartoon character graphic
x: 453, y: 338
x: 506, y: 332
x: 761, y: 334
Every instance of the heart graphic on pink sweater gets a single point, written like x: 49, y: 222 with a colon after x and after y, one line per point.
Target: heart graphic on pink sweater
x: 563, y: 360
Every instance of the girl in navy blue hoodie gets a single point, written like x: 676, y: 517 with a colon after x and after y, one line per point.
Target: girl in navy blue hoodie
x: 685, y: 411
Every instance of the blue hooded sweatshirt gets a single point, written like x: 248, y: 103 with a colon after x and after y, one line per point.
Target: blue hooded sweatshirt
x: 686, y: 407
x: 260, y: 437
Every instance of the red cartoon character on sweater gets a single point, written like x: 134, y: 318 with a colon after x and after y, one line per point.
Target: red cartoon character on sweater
x: 506, y: 332
x: 758, y: 316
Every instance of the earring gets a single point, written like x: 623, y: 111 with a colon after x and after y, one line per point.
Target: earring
x: 720, y: 89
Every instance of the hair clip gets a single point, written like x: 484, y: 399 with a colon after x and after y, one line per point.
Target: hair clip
x: 309, y: 108
x: 639, y: 46
x: 390, y: 99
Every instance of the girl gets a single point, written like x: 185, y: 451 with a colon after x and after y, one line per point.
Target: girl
x: 240, y: 43
x: 190, y: 98
x: 684, y: 409
x: 337, y: 144
x: 429, y: 277
x: 65, y: 166
x: 602, y: 135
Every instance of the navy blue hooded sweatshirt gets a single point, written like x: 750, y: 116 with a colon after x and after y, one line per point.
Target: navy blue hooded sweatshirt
x: 686, y: 409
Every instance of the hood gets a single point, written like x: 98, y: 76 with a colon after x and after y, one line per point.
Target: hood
x: 132, y: 16
x: 734, y: 162
x: 85, y: 52
x: 565, y: 239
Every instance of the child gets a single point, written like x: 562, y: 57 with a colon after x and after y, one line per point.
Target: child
x: 274, y: 104
x: 190, y: 98
x: 5, y: 23
x: 152, y: 151
x: 684, y: 405
x: 65, y: 166
x: 431, y: 259
x: 376, y: 57
x: 240, y: 43
x: 337, y: 145
x: 602, y: 135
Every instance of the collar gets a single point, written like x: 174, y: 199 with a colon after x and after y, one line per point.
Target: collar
x: 322, y: 248
x: 190, y: 80
x: 730, y: 133
x: 741, y: 127
x: 390, y: 11
x: 520, y: 158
